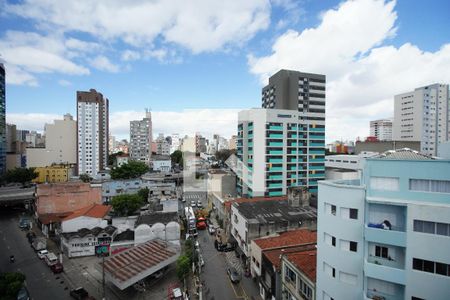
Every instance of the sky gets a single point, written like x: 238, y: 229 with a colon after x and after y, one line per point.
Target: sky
x: 196, y: 63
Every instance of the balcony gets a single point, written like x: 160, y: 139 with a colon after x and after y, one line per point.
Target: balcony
x: 386, y: 224
x: 376, y: 295
x: 274, y: 185
x: 276, y: 128
x: 318, y: 152
x: 275, y: 144
x: 384, y: 290
x: 275, y: 152
x: 275, y: 160
x: 275, y: 136
x: 385, y: 273
x: 384, y: 236
x: 275, y: 169
x: 317, y: 129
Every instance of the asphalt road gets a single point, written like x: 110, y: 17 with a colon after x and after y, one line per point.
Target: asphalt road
x: 40, y: 281
x: 217, y: 285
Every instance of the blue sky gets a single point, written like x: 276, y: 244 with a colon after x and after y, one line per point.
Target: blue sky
x: 175, y: 56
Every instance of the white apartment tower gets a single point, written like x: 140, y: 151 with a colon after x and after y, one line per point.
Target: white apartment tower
x: 141, y: 139
x: 381, y: 129
x: 423, y: 115
x: 93, y: 132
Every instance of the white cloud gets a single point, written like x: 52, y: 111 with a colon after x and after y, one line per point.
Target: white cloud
x: 130, y: 55
x: 186, y: 122
x: 27, y: 53
x: 199, y: 25
x: 64, y: 82
x: 31, y: 121
x: 363, y: 73
x: 102, y: 63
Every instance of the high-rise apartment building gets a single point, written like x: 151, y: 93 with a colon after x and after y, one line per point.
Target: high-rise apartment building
x: 93, y: 132
x: 386, y: 236
x: 278, y: 149
x: 176, y: 142
x: 2, y: 120
x: 381, y: 129
x: 423, y: 115
x: 60, y: 144
x: 162, y: 145
x: 141, y: 139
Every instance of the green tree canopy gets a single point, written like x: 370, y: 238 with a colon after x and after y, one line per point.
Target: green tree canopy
x: 132, y: 169
x: 183, y: 266
x: 177, y: 157
x: 143, y: 193
x: 20, y: 175
x: 10, y: 284
x: 85, y: 178
x: 125, y: 205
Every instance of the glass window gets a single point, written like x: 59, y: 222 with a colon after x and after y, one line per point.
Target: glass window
x: 441, y: 269
x: 418, y: 225
x: 428, y: 227
x: 353, y: 213
x: 333, y: 210
x: 417, y: 264
x: 428, y: 266
x: 333, y: 241
x: 353, y: 246
x: 442, y: 229
x: 384, y: 183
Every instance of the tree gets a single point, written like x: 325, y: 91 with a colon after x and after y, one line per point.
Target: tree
x: 183, y: 266
x: 20, y: 175
x: 177, y: 157
x: 85, y: 178
x: 10, y: 284
x: 125, y: 205
x: 143, y: 193
x: 132, y: 169
x: 223, y: 155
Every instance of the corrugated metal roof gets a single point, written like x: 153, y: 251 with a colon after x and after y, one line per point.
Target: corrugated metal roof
x: 404, y: 154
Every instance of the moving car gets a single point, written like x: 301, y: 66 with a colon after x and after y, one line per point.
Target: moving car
x: 234, y: 275
x: 57, y: 268
x: 199, y: 204
x: 42, y: 253
x: 193, y: 203
x: 211, y: 229
x: 201, y: 225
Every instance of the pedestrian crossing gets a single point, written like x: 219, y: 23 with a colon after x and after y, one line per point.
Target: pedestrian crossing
x: 196, y: 196
x: 233, y: 261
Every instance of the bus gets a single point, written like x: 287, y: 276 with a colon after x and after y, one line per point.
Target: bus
x: 190, y: 221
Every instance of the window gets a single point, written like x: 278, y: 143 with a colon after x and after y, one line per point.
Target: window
x: 416, y: 298
x: 333, y: 241
x: 428, y: 227
x: 353, y: 213
x: 353, y: 246
x: 381, y: 252
x: 384, y: 183
x: 290, y: 275
x: 432, y: 227
x: 333, y: 210
x: 441, y: 269
x: 329, y: 270
x: 425, y: 185
x: 442, y: 229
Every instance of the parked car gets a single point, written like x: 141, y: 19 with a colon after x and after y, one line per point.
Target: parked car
x: 50, y: 259
x: 57, y: 268
x: 211, y: 229
x: 42, y: 253
x: 199, y: 204
x: 24, y: 223
x: 201, y: 225
x: 39, y: 243
x: 225, y: 247
x: 23, y: 294
x: 31, y: 236
x: 80, y: 294
x: 234, y: 275
x: 193, y: 203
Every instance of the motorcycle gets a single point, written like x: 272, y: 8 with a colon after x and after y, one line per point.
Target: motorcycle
x: 12, y: 258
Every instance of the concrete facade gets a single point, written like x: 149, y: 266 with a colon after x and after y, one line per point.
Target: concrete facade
x: 423, y: 115
x: 60, y: 144
x: 141, y: 139
x: 386, y: 236
x: 93, y: 132
x: 278, y: 149
x: 2, y: 120
x: 381, y: 129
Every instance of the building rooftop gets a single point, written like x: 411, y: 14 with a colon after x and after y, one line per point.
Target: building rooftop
x: 127, y: 235
x: 93, y: 211
x: 288, y: 238
x: 274, y: 211
x: 157, y: 217
x: 275, y: 255
x: 94, y: 231
x: 305, y: 261
x: 255, y: 199
x: 404, y: 154
x: 160, y: 157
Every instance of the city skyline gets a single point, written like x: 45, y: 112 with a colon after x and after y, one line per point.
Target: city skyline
x: 130, y: 65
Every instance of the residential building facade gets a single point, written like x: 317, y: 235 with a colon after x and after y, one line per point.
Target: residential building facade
x: 60, y: 144
x: 93, y: 132
x: 381, y: 129
x: 54, y: 173
x: 161, y: 163
x: 141, y: 139
x: 278, y: 149
x: 298, y: 271
x: 387, y: 235
x: 2, y: 120
x: 423, y: 115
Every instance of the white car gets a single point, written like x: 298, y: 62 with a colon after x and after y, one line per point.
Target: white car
x: 199, y: 203
x: 42, y: 253
x: 193, y: 203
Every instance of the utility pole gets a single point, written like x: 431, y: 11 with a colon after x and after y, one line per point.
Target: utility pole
x: 103, y: 275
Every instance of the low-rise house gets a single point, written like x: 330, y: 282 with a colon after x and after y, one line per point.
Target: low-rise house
x: 112, y: 188
x: 55, y: 201
x: 86, y: 217
x: 298, y: 280
x: 84, y: 241
x: 266, y: 253
x: 161, y: 163
x: 54, y: 173
x: 251, y: 220
x: 122, y: 159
